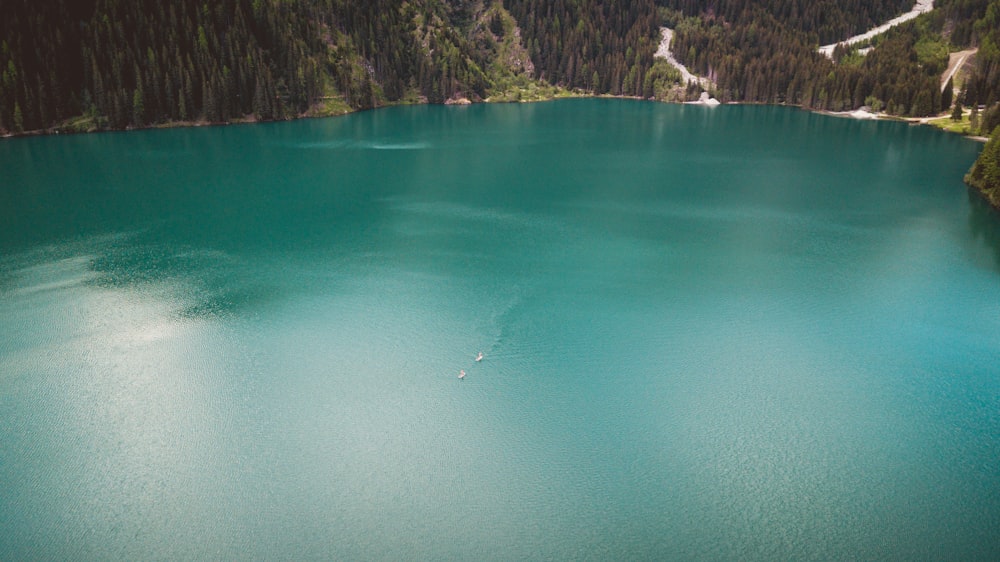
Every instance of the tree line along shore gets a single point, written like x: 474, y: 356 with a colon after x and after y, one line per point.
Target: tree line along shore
x: 86, y: 65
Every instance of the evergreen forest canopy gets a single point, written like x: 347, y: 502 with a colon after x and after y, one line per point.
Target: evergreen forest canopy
x: 765, y: 51
x: 115, y: 64
x: 135, y: 63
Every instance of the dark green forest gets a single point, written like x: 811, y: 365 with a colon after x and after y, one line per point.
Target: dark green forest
x: 765, y: 51
x: 131, y: 64
x: 78, y: 65
x: 121, y: 64
x: 822, y: 21
x: 985, y: 173
x: 605, y: 47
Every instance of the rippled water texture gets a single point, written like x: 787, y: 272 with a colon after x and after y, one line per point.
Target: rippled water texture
x: 731, y: 333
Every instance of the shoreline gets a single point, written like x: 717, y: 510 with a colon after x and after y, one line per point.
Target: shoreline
x: 863, y: 115
x: 860, y: 114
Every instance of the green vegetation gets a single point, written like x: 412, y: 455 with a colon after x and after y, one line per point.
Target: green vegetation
x: 985, y: 173
x: 105, y: 64
x: 529, y: 91
x: 978, y: 22
x: 600, y: 46
x: 133, y: 64
x: 765, y: 52
x: 821, y: 21
x: 664, y: 82
x: 952, y: 125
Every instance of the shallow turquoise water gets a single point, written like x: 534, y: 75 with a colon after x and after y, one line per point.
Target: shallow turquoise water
x: 730, y: 333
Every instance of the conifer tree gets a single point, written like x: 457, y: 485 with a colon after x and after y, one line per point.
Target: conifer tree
x: 138, y: 108
x: 18, y: 118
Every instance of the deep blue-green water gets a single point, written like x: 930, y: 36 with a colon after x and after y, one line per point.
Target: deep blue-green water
x: 736, y: 333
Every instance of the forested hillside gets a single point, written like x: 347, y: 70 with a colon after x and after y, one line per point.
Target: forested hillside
x: 766, y: 52
x: 983, y: 17
x: 983, y: 88
x: 985, y: 173
x: 595, y: 45
x: 118, y: 64
x: 823, y: 21
x: 129, y: 63
x: 138, y: 63
x: 92, y: 64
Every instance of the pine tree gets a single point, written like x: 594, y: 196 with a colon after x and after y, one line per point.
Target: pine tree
x: 138, y: 108
x: 18, y: 118
x: 208, y: 102
x: 921, y: 104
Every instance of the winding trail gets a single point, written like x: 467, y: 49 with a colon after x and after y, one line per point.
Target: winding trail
x: 921, y: 7
x: 664, y: 52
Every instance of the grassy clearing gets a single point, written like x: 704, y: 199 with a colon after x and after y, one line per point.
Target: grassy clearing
x: 329, y: 106
x: 530, y: 91
x: 332, y: 103
x: 78, y: 124
x: 946, y: 123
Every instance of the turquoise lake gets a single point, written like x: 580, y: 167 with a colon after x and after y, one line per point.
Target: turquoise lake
x: 733, y: 333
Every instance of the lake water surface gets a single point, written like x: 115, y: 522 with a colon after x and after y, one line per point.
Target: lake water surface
x: 735, y: 333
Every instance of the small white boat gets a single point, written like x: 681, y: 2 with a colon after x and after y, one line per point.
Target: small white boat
x: 479, y: 357
x: 461, y: 374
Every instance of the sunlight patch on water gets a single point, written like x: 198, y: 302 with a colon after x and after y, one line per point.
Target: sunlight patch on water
x: 720, y: 361
x: 132, y: 409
